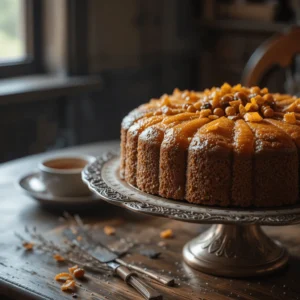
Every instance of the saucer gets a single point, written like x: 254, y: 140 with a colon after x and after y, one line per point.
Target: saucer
x: 32, y: 185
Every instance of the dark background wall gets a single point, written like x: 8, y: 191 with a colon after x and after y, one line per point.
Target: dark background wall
x: 140, y: 50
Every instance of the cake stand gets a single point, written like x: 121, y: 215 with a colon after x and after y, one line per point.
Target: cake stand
x: 234, y: 246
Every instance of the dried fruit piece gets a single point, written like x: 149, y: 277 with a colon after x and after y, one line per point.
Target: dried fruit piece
x: 78, y: 273
x: 166, y: 234
x: 79, y: 238
x: 235, y: 103
x: 242, y: 110
x: 63, y: 277
x: 252, y: 117
x: 248, y: 106
x: 290, y: 118
x: 58, y: 257
x: 109, y: 230
x: 69, y: 285
x: 205, y: 113
x: 28, y: 246
x: 72, y: 269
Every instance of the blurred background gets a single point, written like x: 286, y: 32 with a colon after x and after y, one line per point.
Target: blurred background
x: 71, y: 69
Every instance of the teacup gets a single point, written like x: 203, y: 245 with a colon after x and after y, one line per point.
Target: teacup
x: 62, y: 175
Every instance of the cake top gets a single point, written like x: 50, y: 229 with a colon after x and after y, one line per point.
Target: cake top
x: 234, y: 102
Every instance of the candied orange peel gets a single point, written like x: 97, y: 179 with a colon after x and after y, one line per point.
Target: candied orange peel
x: 63, y: 276
x: 69, y: 285
x: 72, y: 269
x: 78, y: 273
x: 253, y: 117
x: 290, y: 118
x: 166, y: 234
x: 58, y: 257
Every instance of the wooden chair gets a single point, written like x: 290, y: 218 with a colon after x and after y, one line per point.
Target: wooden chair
x: 280, y: 50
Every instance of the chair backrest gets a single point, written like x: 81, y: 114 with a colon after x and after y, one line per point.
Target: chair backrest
x: 279, y: 50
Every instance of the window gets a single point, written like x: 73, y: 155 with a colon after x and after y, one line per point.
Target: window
x: 19, y: 35
x: 12, y: 30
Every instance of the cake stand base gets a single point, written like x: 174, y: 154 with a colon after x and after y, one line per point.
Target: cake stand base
x: 235, y: 251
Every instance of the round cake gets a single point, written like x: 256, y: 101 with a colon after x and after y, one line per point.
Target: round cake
x: 227, y: 146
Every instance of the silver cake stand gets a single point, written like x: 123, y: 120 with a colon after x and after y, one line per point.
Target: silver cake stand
x: 235, y: 246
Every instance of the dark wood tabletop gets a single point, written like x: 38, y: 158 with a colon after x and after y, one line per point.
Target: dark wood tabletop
x: 30, y: 274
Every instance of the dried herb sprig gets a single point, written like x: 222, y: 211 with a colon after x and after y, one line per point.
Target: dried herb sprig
x: 70, y: 252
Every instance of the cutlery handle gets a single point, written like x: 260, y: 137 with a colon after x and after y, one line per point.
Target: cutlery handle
x: 130, y: 278
x: 164, y: 279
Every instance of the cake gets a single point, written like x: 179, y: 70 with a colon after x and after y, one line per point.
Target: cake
x: 227, y: 146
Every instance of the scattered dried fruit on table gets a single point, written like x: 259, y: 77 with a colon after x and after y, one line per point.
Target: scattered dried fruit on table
x: 58, y: 257
x: 78, y: 273
x: 72, y: 269
x: 63, y: 277
x: 69, y: 285
x: 166, y: 234
x: 28, y: 246
x: 109, y: 230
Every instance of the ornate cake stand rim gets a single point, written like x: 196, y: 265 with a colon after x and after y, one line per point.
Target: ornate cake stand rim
x: 131, y: 198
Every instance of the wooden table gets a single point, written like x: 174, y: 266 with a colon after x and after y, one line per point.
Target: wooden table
x: 29, y: 275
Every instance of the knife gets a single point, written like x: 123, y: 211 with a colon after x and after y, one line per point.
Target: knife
x: 105, y: 255
x: 164, y: 279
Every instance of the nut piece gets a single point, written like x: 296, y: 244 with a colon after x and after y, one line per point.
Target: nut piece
x: 109, y: 230
x: 63, y: 277
x: 242, y: 110
x: 166, y: 234
x: 268, y: 112
x: 290, y: 118
x: 219, y: 112
x: 230, y: 111
x: 78, y: 273
x: 58, y: 257
x: 69, y: 285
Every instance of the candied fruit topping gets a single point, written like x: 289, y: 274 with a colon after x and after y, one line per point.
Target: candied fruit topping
x: 232, y: 101
x: 290, y: 118
x: 252, y: 117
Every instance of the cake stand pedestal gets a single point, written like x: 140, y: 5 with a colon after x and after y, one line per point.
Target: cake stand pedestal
x: 235, y: 246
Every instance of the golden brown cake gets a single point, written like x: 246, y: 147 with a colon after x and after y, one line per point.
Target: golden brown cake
x: 227, y: 146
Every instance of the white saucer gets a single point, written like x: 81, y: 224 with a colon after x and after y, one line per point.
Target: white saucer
x: 32, y: 185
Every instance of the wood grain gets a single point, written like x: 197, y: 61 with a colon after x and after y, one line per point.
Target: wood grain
x: 30, y: 275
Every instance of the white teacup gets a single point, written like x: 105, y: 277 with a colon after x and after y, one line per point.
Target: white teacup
x: 62, y: 175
